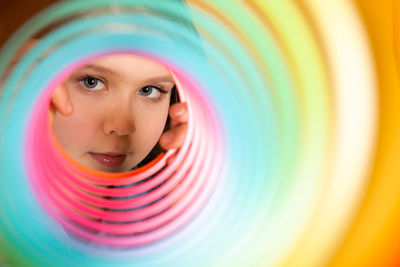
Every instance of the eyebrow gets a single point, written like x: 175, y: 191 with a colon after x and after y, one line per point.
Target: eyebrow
x: 98, y: 68
x: 161, y: 79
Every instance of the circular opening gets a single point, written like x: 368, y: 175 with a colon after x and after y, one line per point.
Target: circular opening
x: 117, y: 112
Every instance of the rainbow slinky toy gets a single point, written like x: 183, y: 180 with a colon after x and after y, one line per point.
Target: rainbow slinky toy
x: 292, y: 151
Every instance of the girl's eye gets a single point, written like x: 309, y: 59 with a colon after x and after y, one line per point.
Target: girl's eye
x: 92, y: 83
x: 151, y: 92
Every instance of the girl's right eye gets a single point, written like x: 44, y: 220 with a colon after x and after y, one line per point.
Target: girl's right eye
x: 92, y: 83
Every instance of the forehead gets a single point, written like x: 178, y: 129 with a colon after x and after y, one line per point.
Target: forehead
x: 126, y: 66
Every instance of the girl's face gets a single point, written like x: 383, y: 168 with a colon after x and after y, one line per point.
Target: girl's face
x: 111, y: 112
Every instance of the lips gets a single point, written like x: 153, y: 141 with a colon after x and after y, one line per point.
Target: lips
x: 109, y: 159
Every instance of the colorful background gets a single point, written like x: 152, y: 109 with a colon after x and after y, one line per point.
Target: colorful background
x: 293, y: 140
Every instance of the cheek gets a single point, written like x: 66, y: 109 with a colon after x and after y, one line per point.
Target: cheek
x: 78, y: 131
x: 65, y: 131
x: 151, y: 122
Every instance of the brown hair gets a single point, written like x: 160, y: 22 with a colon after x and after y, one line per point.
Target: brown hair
x: 13, y: 14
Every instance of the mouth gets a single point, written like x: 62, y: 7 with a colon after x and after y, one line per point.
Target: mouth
x: 109, y: 159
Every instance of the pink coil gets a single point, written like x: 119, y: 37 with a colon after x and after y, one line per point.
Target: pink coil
x: 167, y: 193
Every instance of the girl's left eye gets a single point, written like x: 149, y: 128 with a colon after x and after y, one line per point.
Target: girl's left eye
x: 151, y: 92
x: 92, y: 83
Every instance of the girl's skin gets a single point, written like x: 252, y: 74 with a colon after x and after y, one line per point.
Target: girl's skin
x: 110, y: 113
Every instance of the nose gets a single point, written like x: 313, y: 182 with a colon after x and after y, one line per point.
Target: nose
x: 119, y: 121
